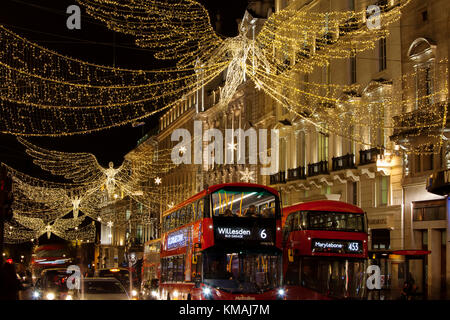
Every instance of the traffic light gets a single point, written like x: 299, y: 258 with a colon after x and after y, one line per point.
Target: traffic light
x: 6, y: 196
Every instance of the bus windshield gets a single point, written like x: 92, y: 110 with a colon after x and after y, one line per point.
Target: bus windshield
x: 336, y: 221
x: 326, y: 220
x: 241, y: 272
x: 337, y: 278
x: 243, y: 203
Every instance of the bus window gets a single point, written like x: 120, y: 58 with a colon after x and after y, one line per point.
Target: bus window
x: 171, y: 220
x: 181, y: 217
x: 188, y: 214
x: 193, y: 211
x: 300, y: 221
x: 287, y: 227
x: 200, y: 208
x: 180, y: 269
x: 175, y: 217
x: 197, y: 268
x: 170, y: 264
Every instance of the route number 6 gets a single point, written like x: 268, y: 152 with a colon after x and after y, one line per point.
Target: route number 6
x: 263, y: 234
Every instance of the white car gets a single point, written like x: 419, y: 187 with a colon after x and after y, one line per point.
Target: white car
x: 103, y: 289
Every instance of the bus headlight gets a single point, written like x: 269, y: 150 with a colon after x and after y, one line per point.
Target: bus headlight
x: 50, y: 296
x: 207, y: 292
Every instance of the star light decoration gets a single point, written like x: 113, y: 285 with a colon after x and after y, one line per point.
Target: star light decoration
x: 247, y: 175
x: 290, y: 42
x: 182, y: 149
x: 232, y: 146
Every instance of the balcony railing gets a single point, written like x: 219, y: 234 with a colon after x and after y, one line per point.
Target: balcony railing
x: 369, y: 155
x: 344, y: 162
x: 412, y: 123
x: 315, y: 169
x: 296, y: 174
x: 278, y: 177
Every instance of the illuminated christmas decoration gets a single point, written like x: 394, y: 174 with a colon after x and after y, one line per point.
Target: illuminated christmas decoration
x: 247, y: 176
x: 95, y: 97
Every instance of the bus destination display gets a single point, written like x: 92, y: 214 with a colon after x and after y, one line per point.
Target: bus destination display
x: 336, y: 246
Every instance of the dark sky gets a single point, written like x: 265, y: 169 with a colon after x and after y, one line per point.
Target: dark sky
x: 44, y: 22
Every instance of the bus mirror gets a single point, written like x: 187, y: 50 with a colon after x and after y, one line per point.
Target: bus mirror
x: 290, y: 255
x: 194, y: 259
x: 197, y: 281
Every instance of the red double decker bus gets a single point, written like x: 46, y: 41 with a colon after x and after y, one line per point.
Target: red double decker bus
x: 223, y: 243
x: 324, y: 251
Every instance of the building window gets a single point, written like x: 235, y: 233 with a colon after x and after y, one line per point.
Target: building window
x: 424, y: 15
x: 428, y: 160
x: 353, y: 69
x: 353, y: 193
x: 301, y: 149
x: 383, y: 190
x: 351, y: 5
x: 283, y: 155
x: 429, y: 210
x: 382, y: 60
x: 381, y: 239
x: 322, y: 146
x: 425, y: 240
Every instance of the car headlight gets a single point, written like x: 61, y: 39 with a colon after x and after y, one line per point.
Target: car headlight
x: 281, y: 292
x: 36, y: 294
x: 69, y: 297
x: 154, y: 293
x: 50, y: 296
x: 134, y: 293
x: 206, y: 291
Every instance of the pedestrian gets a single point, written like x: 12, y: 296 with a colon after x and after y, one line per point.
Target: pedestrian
x: 9, y: 283
x: 404, y: 294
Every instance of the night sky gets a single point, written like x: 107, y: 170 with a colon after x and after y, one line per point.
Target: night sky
x: 44, y: 22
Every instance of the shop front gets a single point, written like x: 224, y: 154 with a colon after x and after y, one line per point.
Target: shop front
x: 401, y: 270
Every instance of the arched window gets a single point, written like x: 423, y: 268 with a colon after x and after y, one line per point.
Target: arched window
x: 422, y: 53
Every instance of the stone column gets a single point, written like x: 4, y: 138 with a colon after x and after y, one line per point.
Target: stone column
x: 434, y: 263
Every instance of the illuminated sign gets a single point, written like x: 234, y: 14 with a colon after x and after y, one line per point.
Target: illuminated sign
x: 243, y: 233
x: 176, y: 239
x: 336, y: 246
x: 234, y: 233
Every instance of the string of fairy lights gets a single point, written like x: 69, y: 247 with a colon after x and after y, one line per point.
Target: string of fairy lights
x: 43, y: 93
x: 42, y: 206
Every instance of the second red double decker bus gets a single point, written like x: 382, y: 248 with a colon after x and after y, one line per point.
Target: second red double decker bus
x: 325, y: 251
x: 222, y: 244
